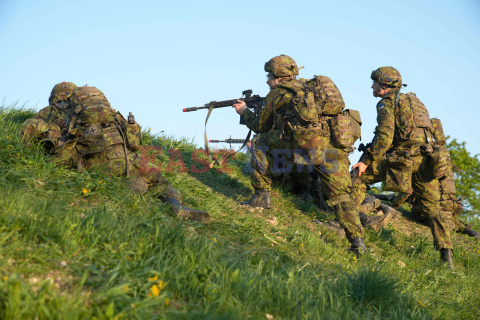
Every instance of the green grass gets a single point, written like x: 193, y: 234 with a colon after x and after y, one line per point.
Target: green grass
x: 107, y: 253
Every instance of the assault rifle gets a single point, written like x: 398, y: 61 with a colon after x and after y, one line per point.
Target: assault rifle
x: 362, y: 148
x: 229, y: 140
x: 252, y: 102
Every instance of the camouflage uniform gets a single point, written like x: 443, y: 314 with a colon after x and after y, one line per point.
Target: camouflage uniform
x: 89, y: 133
x: 395, y: 157
x: 265, y: 171
x: 336, y: 181
x: 51, y: 123
x: 450, y: 206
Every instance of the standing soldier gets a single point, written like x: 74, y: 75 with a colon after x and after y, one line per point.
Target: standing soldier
x: 399, y: 154
x: 280, y: 114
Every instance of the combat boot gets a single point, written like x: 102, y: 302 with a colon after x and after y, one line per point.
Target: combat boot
x: 334, y: 226
x: 471, y: 233
x: 261, y: 199
x: 358, y: 247
x: 186, y: 212
x: 446, y: 256
x: 378, y: 222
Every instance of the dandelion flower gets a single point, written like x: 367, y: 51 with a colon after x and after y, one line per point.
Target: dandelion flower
x: 215, y: 239
x: 153, y: 279
x: 421, y: 304
x: 125, y: 288
x: 84, y: 191
x: 166, y: 301
x: 5, y: 278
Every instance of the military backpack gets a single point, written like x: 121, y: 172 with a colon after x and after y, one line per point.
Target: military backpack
x: 319, y: 112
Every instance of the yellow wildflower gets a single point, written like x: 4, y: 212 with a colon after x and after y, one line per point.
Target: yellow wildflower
x: 84, y: 191
x: 154, y: 291
x: 354, y: 258
x: 101, y: 181
x: 5, y: 278
x: 215, y: 239
x: 166, y: 301
x: 301, y: 245
x: 161, y: 285
x: 421, y: 304
x: 153, y: 279
x: 125, y: 288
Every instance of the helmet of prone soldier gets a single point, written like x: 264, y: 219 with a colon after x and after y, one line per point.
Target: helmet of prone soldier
x: 281, y: 66
x: 88, y: 96
x: 61, y: 92
x: 388, y: 76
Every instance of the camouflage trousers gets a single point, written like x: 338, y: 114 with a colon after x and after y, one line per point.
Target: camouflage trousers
x: 425, y: 190
x: 333, y: 173
x: 114, y: 161
x: 451, y: 207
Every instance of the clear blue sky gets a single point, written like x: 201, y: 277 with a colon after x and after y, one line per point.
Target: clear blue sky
x: 154, y: 58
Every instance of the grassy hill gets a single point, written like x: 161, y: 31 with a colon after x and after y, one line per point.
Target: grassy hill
x: 82, y: 246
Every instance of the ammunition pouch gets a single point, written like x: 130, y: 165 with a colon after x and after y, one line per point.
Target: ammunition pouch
x: 310, y: 136
x: 345, y: 128
x: 438, y: 132
x: 92, y: 140
x: 341, y: 131
x: 398, y: 173
x: 133, y: 133
x: 439, y: 161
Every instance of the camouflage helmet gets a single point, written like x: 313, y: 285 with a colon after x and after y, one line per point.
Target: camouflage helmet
x: 61, y: 92
x: 88, y: 95
x: 388, y: 76
x: 282, y: 66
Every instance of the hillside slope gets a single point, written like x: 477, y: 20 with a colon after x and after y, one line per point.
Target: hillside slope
x: 82, y: 246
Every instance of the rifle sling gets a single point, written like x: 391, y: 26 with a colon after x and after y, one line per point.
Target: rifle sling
x: 215, y: 160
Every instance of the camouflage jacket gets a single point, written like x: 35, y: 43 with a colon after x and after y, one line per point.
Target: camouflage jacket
x: 58, y: 114
x: 51, y: 121
x: 390, y: 126
x: 273, y: 114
